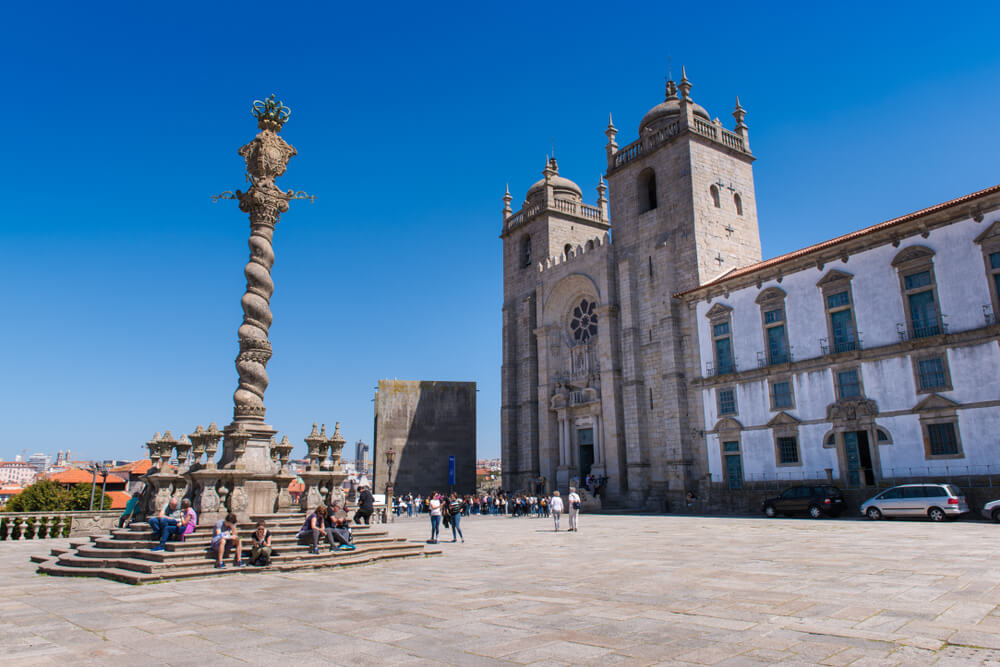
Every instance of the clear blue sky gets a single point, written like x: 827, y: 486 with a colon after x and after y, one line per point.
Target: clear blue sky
x: 122, y: 280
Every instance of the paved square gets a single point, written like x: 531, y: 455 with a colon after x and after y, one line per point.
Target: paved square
x: 633, y: 590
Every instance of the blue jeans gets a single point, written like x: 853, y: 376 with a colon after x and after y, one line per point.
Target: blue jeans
x: 455, y: 520
x: 435, y: 526
x: 165, y: 527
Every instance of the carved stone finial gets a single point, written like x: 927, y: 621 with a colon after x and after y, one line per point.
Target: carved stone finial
x: 739, y: 113
x: 685, y: 86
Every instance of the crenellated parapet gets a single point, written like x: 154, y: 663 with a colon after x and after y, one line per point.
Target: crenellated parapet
x: 597, y: 246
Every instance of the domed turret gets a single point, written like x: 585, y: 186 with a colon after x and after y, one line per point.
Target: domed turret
x: 563, y: 187
x: 670, y: 108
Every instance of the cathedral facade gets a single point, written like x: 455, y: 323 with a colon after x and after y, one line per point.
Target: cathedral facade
x: 618, y: 345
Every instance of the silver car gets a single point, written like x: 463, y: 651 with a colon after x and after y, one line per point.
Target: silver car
x: 934, y: 501
x: 991, y: 510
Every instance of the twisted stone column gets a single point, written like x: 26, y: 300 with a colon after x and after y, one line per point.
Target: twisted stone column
x: 267, y: 158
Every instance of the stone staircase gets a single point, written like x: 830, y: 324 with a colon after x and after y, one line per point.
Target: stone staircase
x: 125, y: 554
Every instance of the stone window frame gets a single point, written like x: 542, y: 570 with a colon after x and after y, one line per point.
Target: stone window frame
x: 646, y: 190
x: 989, y: 243
x: 936, y: 409
x: 879, y: 432
x: 525, y: 251
x: 730, y: 430
x: 841, y: 368
x: 738, y: 202
x: 713, y: 191
x: 791, y: 392
x: 567, y: 250
x: 833, y: 283
x: 770, y: 299
x: 718, y: 401
x: 721, y: 314
x: 783, y: 425
x: 907, y: 262
x: 574, y: 302
x: 924, y: 356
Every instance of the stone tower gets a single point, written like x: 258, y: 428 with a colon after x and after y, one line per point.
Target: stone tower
x: 552, y: 222
x: 682, y: 197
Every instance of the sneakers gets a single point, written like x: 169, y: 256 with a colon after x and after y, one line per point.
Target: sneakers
x: 220, y: 566
x: 158, y: 547
x: 238, y: 563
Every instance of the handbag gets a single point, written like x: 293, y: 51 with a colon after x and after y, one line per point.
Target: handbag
x: 576, y: 505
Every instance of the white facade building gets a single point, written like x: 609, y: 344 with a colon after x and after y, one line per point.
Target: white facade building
x: 17, y: 472
x: 871, y: 356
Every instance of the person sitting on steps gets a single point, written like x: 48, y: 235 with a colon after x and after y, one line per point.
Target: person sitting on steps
x: 339, y: 527
x: 260, y: 548
x: 170, y: 521
x: 224, y: 537
x: 315, y: 527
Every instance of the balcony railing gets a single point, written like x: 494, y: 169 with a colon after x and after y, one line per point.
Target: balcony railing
x: 922, y: 329
x: 764, y: 360
x: 53, y: 525
x: 711, y: 370
x: 845, y: 344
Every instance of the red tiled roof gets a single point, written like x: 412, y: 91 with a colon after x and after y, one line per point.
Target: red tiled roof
x: 77, y: 476
x: 735, y: 273
x: 118, y: 499
x: 140, y: 467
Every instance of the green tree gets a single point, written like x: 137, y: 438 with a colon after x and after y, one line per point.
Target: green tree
x: 42, y: 496
x: 80, y: 497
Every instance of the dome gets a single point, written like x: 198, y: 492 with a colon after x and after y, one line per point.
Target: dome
x: 562, y: 186
x: 669, y: 108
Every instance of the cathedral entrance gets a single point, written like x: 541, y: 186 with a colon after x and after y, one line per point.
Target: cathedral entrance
x: 585, y: 438
x: 859, y: 459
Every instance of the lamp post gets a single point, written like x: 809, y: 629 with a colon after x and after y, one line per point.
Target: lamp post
x: 93, y: 486
x: 390, y: 457
x: 104, y: 483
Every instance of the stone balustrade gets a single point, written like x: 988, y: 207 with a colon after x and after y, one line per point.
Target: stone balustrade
x: 700, y: 126
x: 55, y: 525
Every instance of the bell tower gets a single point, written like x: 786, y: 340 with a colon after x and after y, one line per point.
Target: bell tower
x: 682, y: 197
x: 553, y: 221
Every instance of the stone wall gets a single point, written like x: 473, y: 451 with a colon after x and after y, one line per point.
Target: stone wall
x: 425, y: 423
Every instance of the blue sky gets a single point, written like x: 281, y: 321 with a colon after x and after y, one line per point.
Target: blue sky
x: 122, y: 280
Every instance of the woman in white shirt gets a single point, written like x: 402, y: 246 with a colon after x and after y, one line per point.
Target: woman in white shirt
x: 557, y: 507
x: 574, y: 508
x: 435, y: 507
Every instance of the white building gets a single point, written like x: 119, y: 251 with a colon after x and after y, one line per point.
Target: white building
x: 21, y: 473
x: 870, y: 356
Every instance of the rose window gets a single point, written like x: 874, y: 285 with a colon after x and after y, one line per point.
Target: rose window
x: 584, y: 322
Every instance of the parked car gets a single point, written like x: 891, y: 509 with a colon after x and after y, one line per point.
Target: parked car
x: 991, y: 510
x: 934, y: 501
x: 816, y: 501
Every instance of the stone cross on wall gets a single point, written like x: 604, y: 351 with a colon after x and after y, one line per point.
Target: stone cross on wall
x: 719, y: 259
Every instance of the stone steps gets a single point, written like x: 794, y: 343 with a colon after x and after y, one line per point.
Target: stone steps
x: 125, y: 555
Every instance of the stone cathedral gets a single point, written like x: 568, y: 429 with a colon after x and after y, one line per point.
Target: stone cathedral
x: 670, y: 358
x: 594, y: 347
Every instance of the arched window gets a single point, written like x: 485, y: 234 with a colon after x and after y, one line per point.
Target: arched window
x: 739, y: 203
x: 525, y: 251
x: 715, y: 196
x: 646, y: 190
x: 567, y: 249
x: 590, y: 244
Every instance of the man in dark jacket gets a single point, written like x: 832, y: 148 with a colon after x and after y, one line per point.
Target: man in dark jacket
x: 366, y: 506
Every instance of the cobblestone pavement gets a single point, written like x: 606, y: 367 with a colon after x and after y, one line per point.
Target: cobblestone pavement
x: 631, y: 590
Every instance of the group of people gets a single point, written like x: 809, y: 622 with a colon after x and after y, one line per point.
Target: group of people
x: 330, y: 523
x: 596, y: 484
x: 449, y: 509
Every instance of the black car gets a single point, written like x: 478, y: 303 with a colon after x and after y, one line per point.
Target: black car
x: 816, y: 501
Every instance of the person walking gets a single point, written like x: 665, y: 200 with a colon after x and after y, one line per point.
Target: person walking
x: 456, y: 506
x: 435, y: 508
x: 574, y: 509
x: 366, y: 506
x: 557, y: 507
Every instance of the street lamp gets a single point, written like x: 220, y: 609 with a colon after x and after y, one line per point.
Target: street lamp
x: 93, y: 484
x: 390, y: 457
